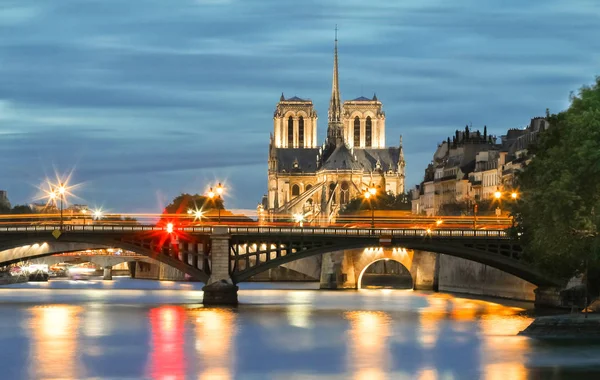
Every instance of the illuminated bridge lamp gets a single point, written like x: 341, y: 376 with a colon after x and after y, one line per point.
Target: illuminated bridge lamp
x: 170, y: 228
x: 299, y: 218
x: 514, y: 195
x: 497, y: 194
x: 97, y: 214
x: 438, y: 222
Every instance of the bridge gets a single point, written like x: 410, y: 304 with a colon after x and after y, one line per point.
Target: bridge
x: 222, y: 256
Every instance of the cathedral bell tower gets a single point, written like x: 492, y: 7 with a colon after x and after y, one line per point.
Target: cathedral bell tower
x: 335, y: 131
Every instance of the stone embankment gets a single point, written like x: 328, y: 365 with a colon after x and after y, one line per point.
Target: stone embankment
x: 8, y: 279
x: 567, y: 326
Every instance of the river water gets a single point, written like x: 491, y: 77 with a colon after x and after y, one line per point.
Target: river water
x: 136, y: 329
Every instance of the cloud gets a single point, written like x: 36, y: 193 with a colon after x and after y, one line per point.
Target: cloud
x: 164, y: 96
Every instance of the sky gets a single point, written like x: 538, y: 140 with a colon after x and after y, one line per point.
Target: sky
x: 143, y: 100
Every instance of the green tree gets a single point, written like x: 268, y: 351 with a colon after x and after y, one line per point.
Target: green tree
x: 558, y: 212
x: 183, y: 202
x: 387, y: 201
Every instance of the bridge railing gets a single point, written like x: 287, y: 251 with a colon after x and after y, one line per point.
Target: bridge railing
x: 320, y: 231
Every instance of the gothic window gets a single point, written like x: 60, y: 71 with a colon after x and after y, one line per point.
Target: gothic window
x: 368, y: 132
x: 307, y: 187
x: 344, y: 193
x: 301, y: 131
x: 332, y: 192
x: 295, y: 190
x: 290, y: 132
x: 356, y: 131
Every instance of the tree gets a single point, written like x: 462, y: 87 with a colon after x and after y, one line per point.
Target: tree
x: 558, y: 212
x: 181, y: 203
x: 387, y: 201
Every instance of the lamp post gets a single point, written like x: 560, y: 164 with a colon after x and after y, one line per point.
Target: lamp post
x: 214, y: 195
x: 58, y: 191
x: 369, y: 195
x: 83, y: 213
x: 299, y: 218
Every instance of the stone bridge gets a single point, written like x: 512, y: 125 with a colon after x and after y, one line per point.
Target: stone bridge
x: 223, y: 256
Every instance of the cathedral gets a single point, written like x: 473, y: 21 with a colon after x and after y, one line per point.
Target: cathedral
x: 319, y: 180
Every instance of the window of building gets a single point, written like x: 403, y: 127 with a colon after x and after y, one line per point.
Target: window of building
x: 301, y: 131
x: 332, y: 191
x: 307, y: 187
x: 295, y: 190
x: 290, y: 132
x: 356, y: 131
x: 368, y: 132
x: 344, y: 193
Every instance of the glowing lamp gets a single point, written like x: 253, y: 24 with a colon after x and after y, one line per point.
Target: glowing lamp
x: 497, y: 195
x: 514, y: 195
x: 170, y: 228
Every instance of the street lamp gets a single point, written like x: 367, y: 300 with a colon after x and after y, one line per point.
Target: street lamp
x: 83, y: 213
x: 299, y: 218
x: 97, y: 214
x: 369, y: 195
x: 217, y: 194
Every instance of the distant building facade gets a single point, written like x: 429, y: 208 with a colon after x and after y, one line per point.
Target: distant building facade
x: 318, y: 180
x: 4, y: 202
x: 473, y: 166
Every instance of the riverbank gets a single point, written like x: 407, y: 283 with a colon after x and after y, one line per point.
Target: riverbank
x: 565, y: 326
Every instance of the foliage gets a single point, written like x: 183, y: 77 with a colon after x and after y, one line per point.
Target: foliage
x: 463, y: 208
x: 185, y: 201
x: 387, y: 201
x: 558, y: 212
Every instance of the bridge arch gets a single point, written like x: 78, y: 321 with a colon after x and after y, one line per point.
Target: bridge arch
x: 33, y: 247
x: 273, y: 254
x: 408, y: 265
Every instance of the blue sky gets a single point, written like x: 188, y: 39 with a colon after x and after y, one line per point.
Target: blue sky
x: 145, y: 99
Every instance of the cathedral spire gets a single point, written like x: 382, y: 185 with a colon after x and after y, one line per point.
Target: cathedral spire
x: 334, y: 128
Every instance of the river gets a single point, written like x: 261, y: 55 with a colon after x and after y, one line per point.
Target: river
x: 136, y: 329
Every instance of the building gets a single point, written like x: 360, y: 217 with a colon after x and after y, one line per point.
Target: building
x: 473, y: 166
x: 318, y: 180
x: 4, y: 202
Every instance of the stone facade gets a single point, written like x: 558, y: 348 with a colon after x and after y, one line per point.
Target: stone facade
x: 473, y: 166
x: 318, y: 181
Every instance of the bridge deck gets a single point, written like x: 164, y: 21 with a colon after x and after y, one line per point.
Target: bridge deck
x: 259, y: 230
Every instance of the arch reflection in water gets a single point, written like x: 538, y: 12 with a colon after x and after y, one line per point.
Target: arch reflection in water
x: 368, y: 344
x: 54, y: 334
x: 215, y: 332
x: 167, y: 357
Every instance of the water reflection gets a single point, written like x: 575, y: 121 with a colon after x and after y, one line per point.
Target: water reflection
x: 167, y: 356
x: 215, y: 332
x: 281, y: 334
x: 368, y: 341
x: 54, y: 337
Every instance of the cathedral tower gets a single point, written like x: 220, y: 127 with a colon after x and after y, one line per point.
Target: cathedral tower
x: 364, y: 123
x: 295, y: 123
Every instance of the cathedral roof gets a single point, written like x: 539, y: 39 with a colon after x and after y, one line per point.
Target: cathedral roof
x: 296, y: 99
x: 341, y: 159
x: 305, y: 158
x: 370, y: 158
x: 362, y: 99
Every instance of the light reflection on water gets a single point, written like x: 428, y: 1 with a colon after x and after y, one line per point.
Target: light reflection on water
x: 277, y: 334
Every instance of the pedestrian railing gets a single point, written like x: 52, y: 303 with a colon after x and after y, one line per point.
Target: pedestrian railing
x: 259, y: 230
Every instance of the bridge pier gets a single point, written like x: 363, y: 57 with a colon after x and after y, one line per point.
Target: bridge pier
x: 547, y: 297
x: 220, y: 289
x: 107, y: 273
